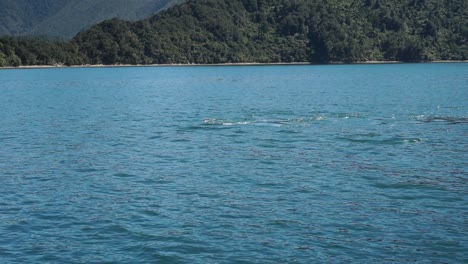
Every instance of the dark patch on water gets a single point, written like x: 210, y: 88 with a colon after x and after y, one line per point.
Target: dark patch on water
x: 376, y: 140
x: 443, y: 119
x: 123, y: 175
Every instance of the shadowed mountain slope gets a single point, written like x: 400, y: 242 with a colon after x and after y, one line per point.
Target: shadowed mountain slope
x: 64, y: 18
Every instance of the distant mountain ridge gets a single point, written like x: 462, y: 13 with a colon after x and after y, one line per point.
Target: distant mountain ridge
x: 62, y: 19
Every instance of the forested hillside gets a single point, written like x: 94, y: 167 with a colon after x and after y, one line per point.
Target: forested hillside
x: 62, y: 19
x: 222, y: 31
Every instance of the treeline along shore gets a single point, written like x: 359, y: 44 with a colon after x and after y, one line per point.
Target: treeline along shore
x: 262, y: 31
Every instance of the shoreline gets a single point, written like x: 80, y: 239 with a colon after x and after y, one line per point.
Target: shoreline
x: 220, y: 64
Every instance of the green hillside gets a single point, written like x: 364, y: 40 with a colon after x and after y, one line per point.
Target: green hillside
x: 64, y: 18
x: 230, y: 31
x: 217, y: 31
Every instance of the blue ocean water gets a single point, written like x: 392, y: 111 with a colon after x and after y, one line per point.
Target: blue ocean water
x: 252, y: 164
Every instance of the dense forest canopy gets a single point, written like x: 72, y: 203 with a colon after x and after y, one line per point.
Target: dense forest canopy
x: 265, y: 31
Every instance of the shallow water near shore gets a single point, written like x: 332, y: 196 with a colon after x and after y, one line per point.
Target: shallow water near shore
x: 254, y: 164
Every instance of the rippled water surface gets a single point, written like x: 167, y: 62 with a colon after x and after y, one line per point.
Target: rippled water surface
x: 258, y: 164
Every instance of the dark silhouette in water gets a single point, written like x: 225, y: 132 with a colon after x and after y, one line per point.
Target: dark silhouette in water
x: 447, y: 119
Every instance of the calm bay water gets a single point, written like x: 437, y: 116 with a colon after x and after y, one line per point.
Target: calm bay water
x: 258, y: 164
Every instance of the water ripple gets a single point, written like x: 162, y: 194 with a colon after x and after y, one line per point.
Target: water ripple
x: 333, y: 164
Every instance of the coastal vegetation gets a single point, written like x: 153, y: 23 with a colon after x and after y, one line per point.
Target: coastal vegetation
x: 264, y: 31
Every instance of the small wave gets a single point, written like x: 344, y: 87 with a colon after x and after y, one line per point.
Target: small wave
x: 223, y: 122
x: 213, y: 121
x: 115, y: 229
x: 442, y: 119
x: 180, y: 140
x: 123, y: 175
x: 345, y: 115
x: 374, y: 140
x: 408, y: 186
x: 270, y: 123
x: 83, y: 170
x: 412, y: 140
x: 234, y: 123
x: 264, y: 122
x: 279, y: 122
x: 155, y: 137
